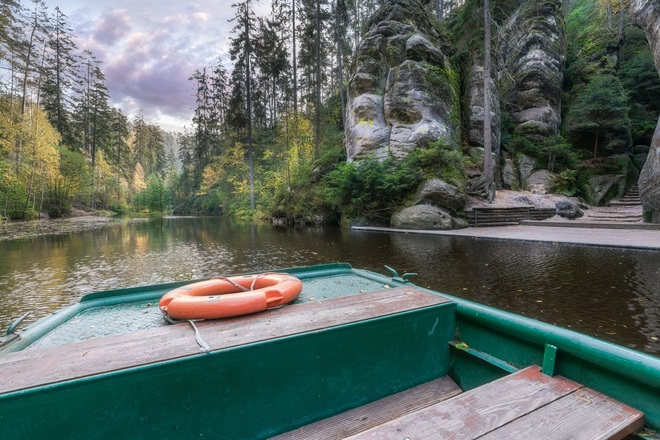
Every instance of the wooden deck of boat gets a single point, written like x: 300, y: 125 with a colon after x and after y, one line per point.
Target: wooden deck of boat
x: 32, y: 368
x: 524, y: 405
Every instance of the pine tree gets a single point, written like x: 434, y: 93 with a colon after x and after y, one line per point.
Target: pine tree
x: 61, y: 77
x: 600, y: 114
x: 241, y: 52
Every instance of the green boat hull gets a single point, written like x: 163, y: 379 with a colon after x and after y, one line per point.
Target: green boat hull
x: 274, y: 385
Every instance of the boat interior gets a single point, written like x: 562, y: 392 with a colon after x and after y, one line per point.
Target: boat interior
x: 359, y: 355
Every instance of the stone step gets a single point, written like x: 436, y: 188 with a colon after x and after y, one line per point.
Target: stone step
x: 622, y: 202
x: 617, y: 220
x: 631, y: 198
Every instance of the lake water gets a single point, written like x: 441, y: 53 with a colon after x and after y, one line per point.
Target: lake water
x: 610, y: 293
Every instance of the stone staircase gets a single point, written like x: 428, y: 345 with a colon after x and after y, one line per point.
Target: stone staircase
x: 630, y: 199
x: 627, y: 209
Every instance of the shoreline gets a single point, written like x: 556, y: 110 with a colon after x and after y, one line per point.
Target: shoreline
x: 547, y: 232
x: 20, y: 230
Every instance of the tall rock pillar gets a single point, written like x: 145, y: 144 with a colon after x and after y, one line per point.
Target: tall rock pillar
x: 646, y: 14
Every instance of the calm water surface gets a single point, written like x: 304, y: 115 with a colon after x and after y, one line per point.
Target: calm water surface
x: 610, y: 293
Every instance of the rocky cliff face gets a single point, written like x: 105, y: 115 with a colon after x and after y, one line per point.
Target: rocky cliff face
x: 646, y: 14
x: 532, y: 55
x: 400, y: 95
x: 527, y: 81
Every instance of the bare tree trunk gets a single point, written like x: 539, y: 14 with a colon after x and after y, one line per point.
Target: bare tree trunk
x: 621, y: 16
x: 488, y: 138
x: 295, y: 68
x: 340, y: 67
x: 484, y: 186
x: 596, y: 146
x: 317, y: 137
x: 249, y: 101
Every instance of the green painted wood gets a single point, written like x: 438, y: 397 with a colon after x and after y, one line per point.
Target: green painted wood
x: 492, y: 360
x: 549, y: 359
x: 248, y: 392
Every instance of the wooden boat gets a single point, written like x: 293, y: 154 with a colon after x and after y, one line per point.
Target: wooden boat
x: 358, y: 355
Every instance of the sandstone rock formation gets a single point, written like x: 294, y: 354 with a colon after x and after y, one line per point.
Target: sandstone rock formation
x: 400, y: 96
x: 475, y: 102
x: 646, y: 13
x: 531, y: 47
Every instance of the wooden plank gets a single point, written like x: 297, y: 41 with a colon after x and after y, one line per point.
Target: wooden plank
x: 31, y: 368
x: 478, y: 411
x: 583, y: 415
x: 375, y: 413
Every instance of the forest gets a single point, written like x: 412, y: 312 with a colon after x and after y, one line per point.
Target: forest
x: 267, y: 135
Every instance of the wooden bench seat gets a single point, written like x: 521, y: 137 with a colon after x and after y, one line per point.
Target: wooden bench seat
x: 524, y: 405
x: 375, y: 413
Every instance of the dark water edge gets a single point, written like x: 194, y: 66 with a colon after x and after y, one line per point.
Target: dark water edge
x: 610, y: 293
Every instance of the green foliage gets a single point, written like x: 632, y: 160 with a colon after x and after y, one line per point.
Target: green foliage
x: 440, y: 160
x: 448, y: 80
x: 12, y: 194
x: 588, y: 32
x: 567, y: 183
x: 599, y: 116
x: 639, y: 78
x: 156, y: 194
x: 74, y: 175
x: 120, y: 208
x: 371, y: 189
x: 559, y: 153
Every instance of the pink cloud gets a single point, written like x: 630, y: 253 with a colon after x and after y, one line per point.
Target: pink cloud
x: 152, y: 74
x: 149, y: 53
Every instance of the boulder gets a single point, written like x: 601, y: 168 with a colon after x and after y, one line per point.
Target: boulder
x: 568, y: 209
x: 443, y: 195
x: 541, y: 182
x: 426, y: 217
x: 417, y: 114
x: 369, y: 132
x: 526, y: 166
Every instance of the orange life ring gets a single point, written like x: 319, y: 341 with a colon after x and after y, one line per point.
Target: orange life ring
x: 223, y: 297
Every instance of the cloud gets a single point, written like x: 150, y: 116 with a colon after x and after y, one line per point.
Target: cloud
x: 112, y: 27
x: 151, y: 75
x: 150, y: 48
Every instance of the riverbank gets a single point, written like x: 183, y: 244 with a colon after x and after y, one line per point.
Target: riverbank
x: 648, y: 239
x: 14, y: 230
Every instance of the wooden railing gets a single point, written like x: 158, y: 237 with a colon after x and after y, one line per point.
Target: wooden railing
x: 487, y: 216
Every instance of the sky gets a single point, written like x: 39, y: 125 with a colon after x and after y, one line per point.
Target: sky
x: 149, y: 49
